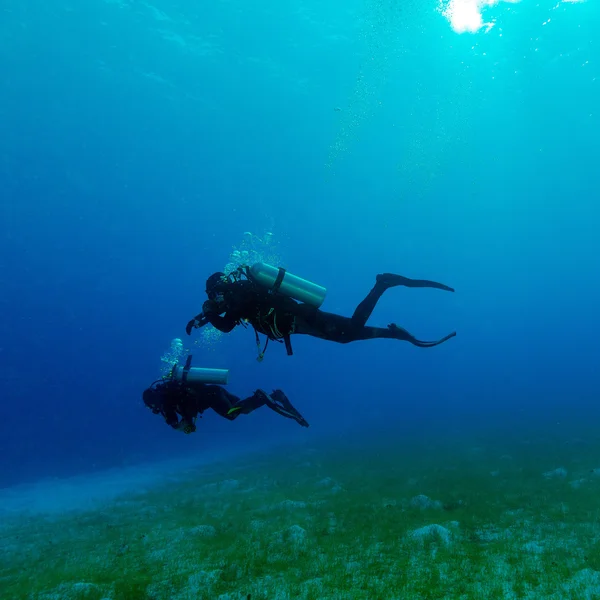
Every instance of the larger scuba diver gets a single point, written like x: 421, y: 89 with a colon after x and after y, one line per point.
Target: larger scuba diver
x: 279, y: 304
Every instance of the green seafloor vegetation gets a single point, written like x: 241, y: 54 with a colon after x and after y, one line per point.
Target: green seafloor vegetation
x: 492, y: 515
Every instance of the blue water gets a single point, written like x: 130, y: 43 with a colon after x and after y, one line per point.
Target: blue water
x: 139, y: 141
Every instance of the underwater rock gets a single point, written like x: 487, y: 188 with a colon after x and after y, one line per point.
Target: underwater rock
x: 586, y: 583
x: 257, y: 524
x: 199, y: 583
x: 84, y: 587
x: 556, y: 473
x: 66, y: 591
x: 287, y: 544
x: 488, y: 533
x: 227, y: 485
x: 423, y: 502
x: 292, y: 504
x: 352, y: 566
x: 313, y: 587
x: 432, y: 532
x: 295, y: 534
x: 327, y: 482
x: 203, y: 531
x: 577, y: 483
x: 533, y: 548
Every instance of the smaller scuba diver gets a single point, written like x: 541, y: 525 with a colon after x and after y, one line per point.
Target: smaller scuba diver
x: 181, y: 402
x: 278, y: 304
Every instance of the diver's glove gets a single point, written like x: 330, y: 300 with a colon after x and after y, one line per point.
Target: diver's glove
x: 198, y: 321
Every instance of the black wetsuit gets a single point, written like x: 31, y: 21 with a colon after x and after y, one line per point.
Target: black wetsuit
x: 183, y: 409
x: 278, y: 316
x: 181, y: 404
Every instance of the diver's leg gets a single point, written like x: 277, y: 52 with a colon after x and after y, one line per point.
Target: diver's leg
x: 335, y: 328
x: 323, y: 325
x: 229, y: 406
x: 244, y: 406
x: 277, y: 402
x: 393, y: 332
x: 367, y: 306
x: 384, y: 282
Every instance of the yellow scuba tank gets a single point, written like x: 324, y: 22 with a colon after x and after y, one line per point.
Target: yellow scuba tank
x: 280, y: 281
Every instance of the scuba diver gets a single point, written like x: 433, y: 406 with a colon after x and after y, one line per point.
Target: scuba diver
x: 279, y: 304
x: 182, y: 396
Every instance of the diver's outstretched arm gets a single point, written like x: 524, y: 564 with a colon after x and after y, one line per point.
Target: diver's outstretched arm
x: 223, y: 324
x: 212, y: 311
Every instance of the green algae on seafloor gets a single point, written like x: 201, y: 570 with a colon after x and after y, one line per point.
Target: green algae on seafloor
x: 331, y: 522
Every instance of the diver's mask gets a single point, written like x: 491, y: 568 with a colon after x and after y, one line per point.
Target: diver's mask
x: 216, y: 285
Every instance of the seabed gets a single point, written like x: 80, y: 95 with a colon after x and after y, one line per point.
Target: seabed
x: 400, y: 517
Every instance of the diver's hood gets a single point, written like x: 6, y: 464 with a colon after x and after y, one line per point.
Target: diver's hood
x: 214, y: 282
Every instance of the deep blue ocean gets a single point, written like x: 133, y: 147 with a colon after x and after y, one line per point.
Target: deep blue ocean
x: 143, y: 143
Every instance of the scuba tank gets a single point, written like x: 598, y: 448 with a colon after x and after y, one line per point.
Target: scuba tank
x: 278, y: 280
x: 189, y: 374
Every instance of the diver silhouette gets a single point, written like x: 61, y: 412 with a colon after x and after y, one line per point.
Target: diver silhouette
x: 278, y: 304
